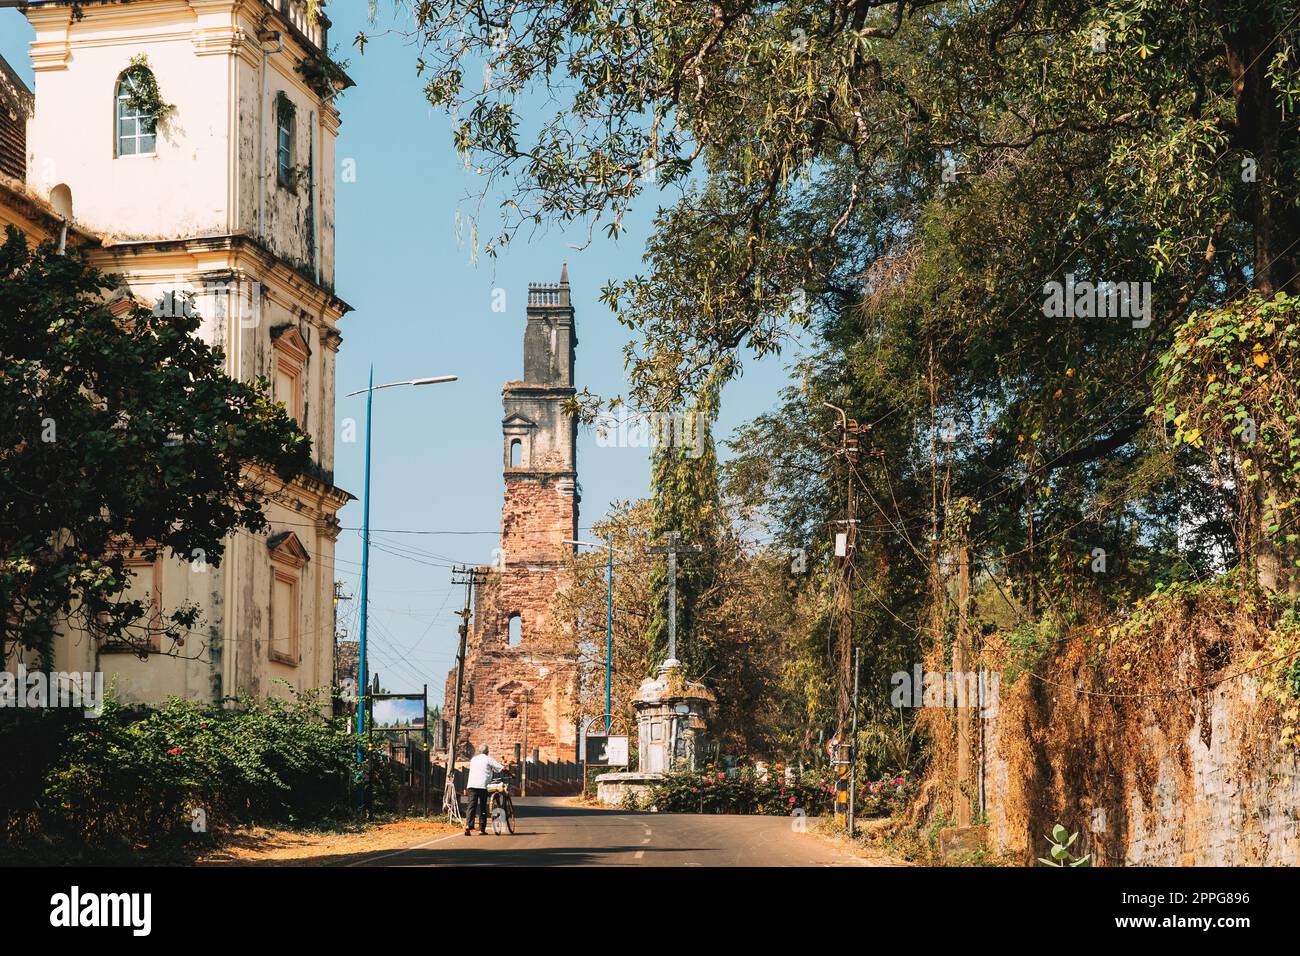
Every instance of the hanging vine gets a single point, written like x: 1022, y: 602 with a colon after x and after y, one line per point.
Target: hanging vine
x: 323, y: 74
x: 142, y: 93
x: 285, y: 111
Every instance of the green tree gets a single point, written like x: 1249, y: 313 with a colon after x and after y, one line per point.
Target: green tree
x: 745, y: 624
x: 120, y: 431
x: 835, y: 151
x: 684, y: 485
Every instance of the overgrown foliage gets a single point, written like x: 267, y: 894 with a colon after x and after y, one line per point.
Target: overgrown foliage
x: 123, y: 437
x: 140, y: 777
x: 142, y: 93
x: 713, y: 790
x: 1227, y: 388
x: 324, y: 73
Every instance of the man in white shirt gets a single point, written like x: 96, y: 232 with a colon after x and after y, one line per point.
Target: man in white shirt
x: 480, y: 775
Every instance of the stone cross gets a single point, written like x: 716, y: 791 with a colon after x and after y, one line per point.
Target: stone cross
x: 672, y: 549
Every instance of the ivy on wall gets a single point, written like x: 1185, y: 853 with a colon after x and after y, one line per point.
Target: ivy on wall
x: 142, y: 93
x: 1227, y: 386
x: 285, y: 111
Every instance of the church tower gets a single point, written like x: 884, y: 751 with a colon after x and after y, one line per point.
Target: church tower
x: 540, y: 438
x: 520, y: 683
x: 189, y: 147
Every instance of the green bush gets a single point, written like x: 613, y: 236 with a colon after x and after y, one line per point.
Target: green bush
x: 138, y: 777
x: 812, y: 791
x: 715, y: 791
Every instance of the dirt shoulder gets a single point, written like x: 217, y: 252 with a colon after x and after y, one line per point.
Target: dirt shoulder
x: 259, y: 846
x: 867, y: 847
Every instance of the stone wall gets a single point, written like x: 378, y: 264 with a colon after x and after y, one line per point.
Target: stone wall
x: 1217, y: 791
x: 503, y: 684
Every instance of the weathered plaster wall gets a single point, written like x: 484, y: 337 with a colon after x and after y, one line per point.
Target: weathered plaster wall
x: 183, y: 189
x: 186, y: 220
x: 204, y: 178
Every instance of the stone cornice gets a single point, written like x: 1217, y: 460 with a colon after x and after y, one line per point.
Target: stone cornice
x: 205, y: 248
x: 323, y: 498
x: 538, y: 391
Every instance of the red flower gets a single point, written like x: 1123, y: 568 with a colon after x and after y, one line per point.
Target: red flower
x: 176, y: 751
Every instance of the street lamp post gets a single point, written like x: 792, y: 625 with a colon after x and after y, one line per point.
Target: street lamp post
x: 609, y: 619
x: 370, y: 390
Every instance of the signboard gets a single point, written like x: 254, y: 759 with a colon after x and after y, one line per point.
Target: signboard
x: 608, y: 751
x: 397, y: 712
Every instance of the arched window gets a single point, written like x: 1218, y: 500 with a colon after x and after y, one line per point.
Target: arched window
x: 137, y: 131
x: 516, y: 630
x: 516, y: 453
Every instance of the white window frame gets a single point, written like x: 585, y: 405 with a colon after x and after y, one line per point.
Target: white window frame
x: 139, y: 119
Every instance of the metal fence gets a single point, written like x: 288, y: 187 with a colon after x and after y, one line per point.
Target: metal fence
x: 543, y: 777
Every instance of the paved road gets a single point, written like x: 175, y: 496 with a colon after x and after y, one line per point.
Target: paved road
x: 551, y: 831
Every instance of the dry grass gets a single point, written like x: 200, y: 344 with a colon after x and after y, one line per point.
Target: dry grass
x: 259, y: 846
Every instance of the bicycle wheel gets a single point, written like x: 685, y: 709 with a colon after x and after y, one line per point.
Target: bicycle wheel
x: 510, y: 813
x: 497, y: 813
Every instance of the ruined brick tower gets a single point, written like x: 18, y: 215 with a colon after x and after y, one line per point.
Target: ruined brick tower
x: 511, y: 671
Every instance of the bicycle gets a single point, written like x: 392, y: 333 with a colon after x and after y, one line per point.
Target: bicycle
x: 499, y: 800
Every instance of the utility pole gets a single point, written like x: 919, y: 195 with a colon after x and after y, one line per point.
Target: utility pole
x: 523, y: 764
x: 853, y: 746
x: 370, y: 390
x: 672, y: 549
x: 365, y: 580
x: 961, y: 655
x: 468, y: 577
x: 845, y: 547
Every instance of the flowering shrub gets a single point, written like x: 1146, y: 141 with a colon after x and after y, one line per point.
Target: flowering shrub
x: 136, y: 777
x: 885, y: 796
x: 715, y: 791
x: 813, y: 791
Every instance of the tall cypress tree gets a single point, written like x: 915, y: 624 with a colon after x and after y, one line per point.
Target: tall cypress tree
x: 684, y: 485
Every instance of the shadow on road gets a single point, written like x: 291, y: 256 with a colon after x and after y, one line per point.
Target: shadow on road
x: 452, y: 854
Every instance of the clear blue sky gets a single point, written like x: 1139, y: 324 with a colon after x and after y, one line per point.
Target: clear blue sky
x: 423, y: 307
